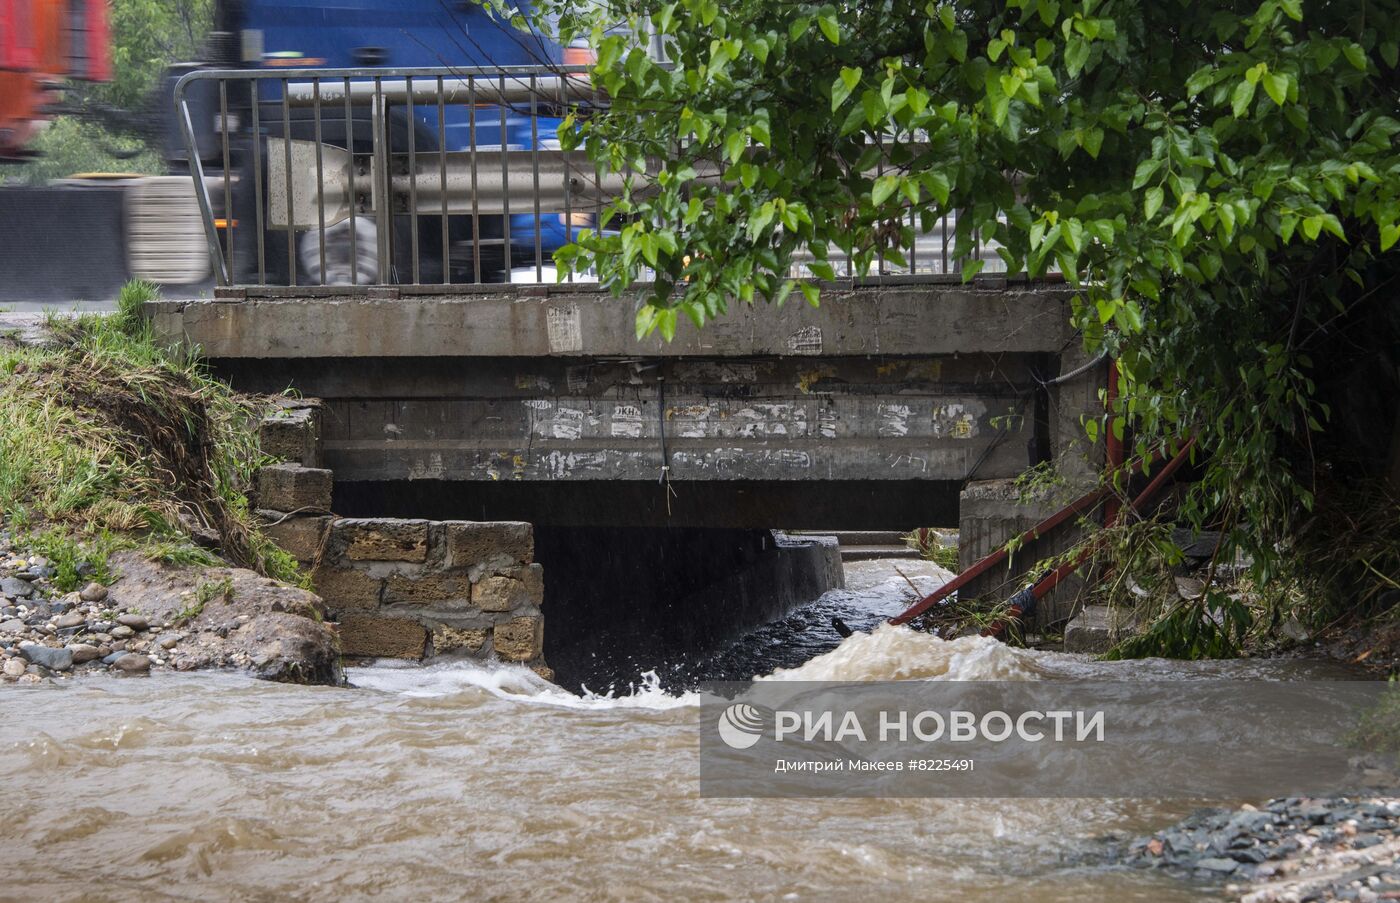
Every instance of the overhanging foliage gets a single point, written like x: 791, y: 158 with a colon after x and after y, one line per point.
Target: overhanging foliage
x: 1219, y: 179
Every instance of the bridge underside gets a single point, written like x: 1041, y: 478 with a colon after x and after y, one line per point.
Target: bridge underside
x: 816, y: 505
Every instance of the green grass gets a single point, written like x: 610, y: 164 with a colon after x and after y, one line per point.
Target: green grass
x: 108, y: 440
x: 928, y: 542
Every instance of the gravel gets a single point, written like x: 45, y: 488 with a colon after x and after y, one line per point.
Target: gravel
x: 1291, y: 850
x: 46, y: 634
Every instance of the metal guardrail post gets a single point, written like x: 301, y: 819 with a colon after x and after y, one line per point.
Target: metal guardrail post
x: 201, y: 190
x: 383, y: 210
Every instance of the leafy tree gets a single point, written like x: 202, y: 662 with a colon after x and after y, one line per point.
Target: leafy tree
x: 1217, y: 179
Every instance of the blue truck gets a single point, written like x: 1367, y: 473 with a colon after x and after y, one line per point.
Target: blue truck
x: 288, y: 35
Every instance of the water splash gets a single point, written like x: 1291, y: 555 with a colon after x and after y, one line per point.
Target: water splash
x: 898, y: 653
x: 511, y: 682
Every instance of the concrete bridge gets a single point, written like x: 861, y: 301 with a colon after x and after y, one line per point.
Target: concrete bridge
x: 892, y: 405
x: 538, y: 403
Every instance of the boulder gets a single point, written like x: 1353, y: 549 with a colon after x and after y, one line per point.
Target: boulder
x: 270, y: 629
x: 48, y: 657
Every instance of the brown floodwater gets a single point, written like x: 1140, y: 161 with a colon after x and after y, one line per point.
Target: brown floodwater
x: 464, y: 781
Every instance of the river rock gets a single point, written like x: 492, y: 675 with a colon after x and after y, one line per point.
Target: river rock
x: 83, y: 652
x: 169, y: 642
x: 48, y: 657
x: 135, y: 622
x: 14, y: 667
x: 93, y: 592
x: 132, y: 663
x: 72, y: 619
x: 14, y: 625
x: 273, y: 630
x: 15, y: 587
x: 121, y: 632
x: 113, y: 657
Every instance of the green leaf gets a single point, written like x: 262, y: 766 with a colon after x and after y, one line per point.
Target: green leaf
x: 971, y: 268
x: 1145, y: 170
x: 1389, y: 235
x: 830, y: 28
x: 812, y: 292
x: 1076, y: 55
x: 1276, y: 86
x: 646, y: 320
x: 883, y: 188
x: 938, y: 185
x: 845, y: 83
x: 760, y: 219
x: 1152, y: 202
x: 822, y: 270
x: 734, y: 144
x: 666, y: 322
x: 1242, y: 97
x: 1355, y: 54
x: 1092, y: 141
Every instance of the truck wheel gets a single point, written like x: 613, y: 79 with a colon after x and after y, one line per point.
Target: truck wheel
x: 347, y: 262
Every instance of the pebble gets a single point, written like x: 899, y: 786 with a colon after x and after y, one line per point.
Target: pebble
x: 48, y: 657
x: 14, y: 625
x: 132, y: 663
x: 93, y: 592
x: 114, y: 657
x: 121, y: 632
x: 168, y: 642
x: 83, y: 652
x: 72, y: 619
x: 135, y: 622
x: 14, y: 667
x: 14, y: 586
x: 1291, y: 849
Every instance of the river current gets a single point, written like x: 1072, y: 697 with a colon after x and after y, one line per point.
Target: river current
x: 456, y: 781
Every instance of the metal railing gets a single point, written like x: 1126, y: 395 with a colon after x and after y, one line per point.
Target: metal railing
x: 422, y: 176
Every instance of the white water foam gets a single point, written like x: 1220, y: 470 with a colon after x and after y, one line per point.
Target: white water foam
x: 507, y: 681
x: 898, y: 653
x: 887, y: 653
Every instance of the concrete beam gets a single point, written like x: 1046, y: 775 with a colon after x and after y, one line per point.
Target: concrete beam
x: 924, y: 318
x: 491, y: 419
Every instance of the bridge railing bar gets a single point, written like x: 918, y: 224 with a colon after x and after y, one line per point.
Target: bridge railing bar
x: 373, y: 200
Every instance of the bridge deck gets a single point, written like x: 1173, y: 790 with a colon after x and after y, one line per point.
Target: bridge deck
x: 880, y: 385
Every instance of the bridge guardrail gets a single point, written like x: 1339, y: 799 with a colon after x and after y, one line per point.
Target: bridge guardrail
x: 410, y: 176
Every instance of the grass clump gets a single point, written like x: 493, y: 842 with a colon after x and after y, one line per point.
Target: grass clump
x: 933, y: 545
x: 108, y: 438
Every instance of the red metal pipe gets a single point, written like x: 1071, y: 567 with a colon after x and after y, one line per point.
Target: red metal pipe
x: 1052, y: 579
x: 1078, y: 506
x: 1083, y: 503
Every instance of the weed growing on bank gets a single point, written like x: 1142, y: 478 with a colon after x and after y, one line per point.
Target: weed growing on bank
x: 110, y: 441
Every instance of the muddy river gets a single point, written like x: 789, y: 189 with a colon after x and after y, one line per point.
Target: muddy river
x: 459, y: 781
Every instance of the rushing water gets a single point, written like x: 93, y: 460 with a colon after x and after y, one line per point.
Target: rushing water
x: 456, y: 781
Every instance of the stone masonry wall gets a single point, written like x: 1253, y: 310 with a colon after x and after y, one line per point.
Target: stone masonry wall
x: 412, y: 588
x: 398, y: 587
